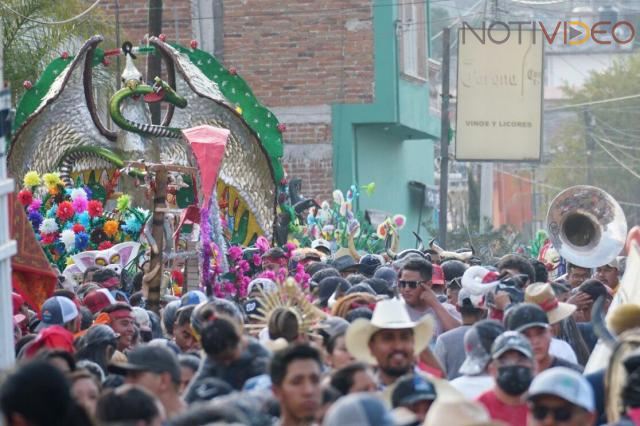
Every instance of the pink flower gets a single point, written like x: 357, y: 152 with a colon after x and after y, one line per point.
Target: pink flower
x: 257, y: 260
x: 230, y: 289
x: 217, y: 290
x: 269, y: 275
x: 243, y: 266
x: 35, y: 205
x: 282, y: 274
x: 80, y: 205
x: 263, y: 244
x: 234, y: 253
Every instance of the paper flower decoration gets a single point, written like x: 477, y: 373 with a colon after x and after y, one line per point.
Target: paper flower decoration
x: 31, y: 179
x: 399, y: 221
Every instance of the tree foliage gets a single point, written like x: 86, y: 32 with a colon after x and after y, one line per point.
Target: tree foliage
x: 615, y: 130
x: 29, y: 46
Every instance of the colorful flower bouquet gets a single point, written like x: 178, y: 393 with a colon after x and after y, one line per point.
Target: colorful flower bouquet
x: 68, y: 221
x: 335, y: 221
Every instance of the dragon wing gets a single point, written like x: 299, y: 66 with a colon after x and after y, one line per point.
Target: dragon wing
x: 58, y: 117
x: 251, y: 166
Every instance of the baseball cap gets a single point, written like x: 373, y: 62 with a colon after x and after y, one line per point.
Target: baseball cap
x: 97, y: 300
x: 477, y: 346
x: 465, y: 298
x: 388, y: 274
x: 250, y: 307
x: 193, y: 297
x: 511, y: 341
x: 358, y: 409
x: 437, y: 276
x: 333, y: 326
x: 617, y: 262
x: 411, y: 389
x: 208, y: 389
x: 264, y: 284
x: 321, y: 244
x: 53, y: 337
x: 107, y: 278
x: 98, y: 334
x: 345, y: 263
x: 57, y: 310
x: 151, y: 358
x: 566, y: 384
x: 274, y: 253
x: 142, y: 318
x: 526, y: 315
x: 369, y: 263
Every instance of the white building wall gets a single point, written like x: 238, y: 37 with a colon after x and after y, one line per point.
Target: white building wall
x: 7, y: 249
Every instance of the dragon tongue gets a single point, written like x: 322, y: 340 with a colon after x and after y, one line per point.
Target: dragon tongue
x: 154, y: 97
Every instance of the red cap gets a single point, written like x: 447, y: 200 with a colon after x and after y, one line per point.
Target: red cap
x: 437, y: 276
x: 96, y: 301
x: 54, y: 337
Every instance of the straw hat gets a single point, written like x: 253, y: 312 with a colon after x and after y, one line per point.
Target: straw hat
x: 388, y: 314
x: 467, y: 413
x: 542, y: 295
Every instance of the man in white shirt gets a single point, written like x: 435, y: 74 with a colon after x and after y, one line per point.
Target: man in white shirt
x: 475, y: 379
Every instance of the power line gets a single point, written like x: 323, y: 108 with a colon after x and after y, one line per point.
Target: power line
x: 598, y: 102
x: 66, y: 21
x: 556, y: 188
x: 624, y: 166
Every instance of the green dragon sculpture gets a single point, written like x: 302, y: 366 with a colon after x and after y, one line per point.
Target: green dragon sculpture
x: 71, y: 120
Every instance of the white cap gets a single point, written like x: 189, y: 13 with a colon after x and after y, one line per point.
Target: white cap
x: 142, y: 318
x: 321, y: 243
x: 566, y: 384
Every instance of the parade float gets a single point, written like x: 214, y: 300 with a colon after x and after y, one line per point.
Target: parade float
x: 99, y: 139
x: 98, y: 176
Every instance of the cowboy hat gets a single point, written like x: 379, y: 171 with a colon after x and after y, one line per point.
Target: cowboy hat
x: 542, y: 295
x: 467, y: 413
x: 388, y: 314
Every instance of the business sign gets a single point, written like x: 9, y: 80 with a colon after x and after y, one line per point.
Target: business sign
x: 499, y: 98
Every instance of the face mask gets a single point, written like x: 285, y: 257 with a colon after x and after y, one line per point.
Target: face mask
x: 514, y: 379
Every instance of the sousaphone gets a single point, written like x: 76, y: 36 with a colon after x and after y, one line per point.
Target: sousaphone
x: 587, y: 226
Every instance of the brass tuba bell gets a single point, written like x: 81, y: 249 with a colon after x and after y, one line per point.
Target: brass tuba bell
x: 587, y: 226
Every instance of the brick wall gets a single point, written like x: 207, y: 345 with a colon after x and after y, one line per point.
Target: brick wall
x: 303, y: 52
x: 297, y: 52
x: 176, y: 19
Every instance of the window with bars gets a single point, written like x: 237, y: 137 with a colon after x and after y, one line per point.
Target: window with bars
x: 412, y: 37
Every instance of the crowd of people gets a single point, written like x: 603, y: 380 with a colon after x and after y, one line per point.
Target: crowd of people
x: 415, y: 339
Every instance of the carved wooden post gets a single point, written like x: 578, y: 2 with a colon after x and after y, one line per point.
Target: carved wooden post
x: 157, y: 232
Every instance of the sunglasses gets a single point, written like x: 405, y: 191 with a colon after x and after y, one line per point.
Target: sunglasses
x: 559, y: 414
x: 410, y: 284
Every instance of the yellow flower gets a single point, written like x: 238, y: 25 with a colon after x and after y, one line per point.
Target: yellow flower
x: 52, y: 180
x: 110, y: 228
x: 31, y: 179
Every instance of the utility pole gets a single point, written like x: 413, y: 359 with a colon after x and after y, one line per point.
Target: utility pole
x: 444, y: 138
x: 590, y: 144
x: 154, y: 60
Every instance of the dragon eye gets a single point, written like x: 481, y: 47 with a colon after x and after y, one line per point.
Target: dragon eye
x: 115, y: 259
x: 101, y: 261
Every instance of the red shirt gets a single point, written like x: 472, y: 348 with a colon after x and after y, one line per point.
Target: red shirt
x: 514, y: 415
